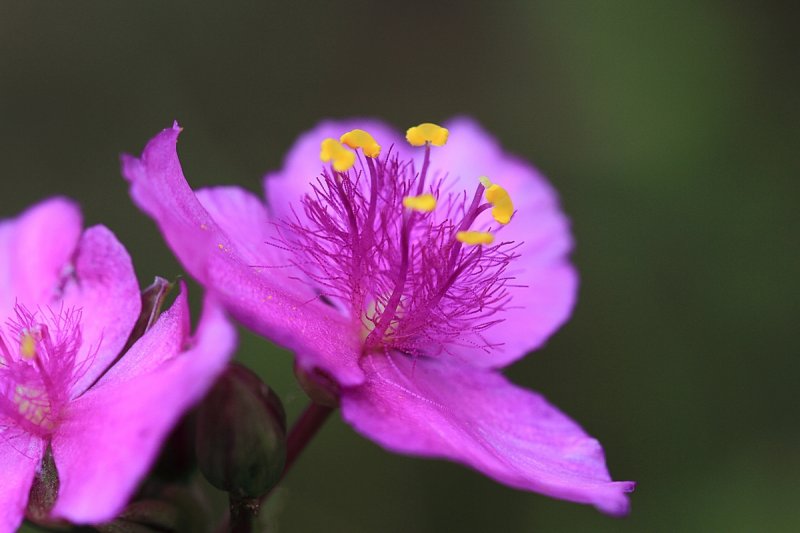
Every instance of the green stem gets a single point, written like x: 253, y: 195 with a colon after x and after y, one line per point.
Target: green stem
x: 243, y: 514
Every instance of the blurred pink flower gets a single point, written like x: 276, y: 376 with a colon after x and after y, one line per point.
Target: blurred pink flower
x: 71, y: 299
x: 371, y: 270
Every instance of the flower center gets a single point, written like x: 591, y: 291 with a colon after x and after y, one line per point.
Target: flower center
x: 38, y: 353
x: 411, y: 259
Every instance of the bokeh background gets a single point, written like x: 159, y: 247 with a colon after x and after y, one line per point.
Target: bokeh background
x: 670, y: 129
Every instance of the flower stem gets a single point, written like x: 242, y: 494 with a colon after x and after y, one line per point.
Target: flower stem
x: 243, y: 514
x: 304, y: 430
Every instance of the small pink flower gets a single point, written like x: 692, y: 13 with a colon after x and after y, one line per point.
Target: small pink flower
x: 70, y: 300
x: 407, y: 277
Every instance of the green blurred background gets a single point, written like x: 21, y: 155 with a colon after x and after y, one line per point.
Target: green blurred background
x: 670, y: 129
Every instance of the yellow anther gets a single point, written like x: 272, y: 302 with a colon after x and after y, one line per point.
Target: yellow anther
x: 427, y: 133
x: 475, y: 237
x: 502, y: 206
x: 424, y: 203
x: 27, y: 346
x: 361, y: 139
x: 340, y: 157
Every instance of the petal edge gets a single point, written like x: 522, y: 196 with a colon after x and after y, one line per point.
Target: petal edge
x: 476, y: 417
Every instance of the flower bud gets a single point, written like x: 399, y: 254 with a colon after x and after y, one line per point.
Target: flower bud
x: 241, y: 434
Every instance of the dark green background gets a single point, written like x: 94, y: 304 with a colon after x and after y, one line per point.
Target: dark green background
x: 670, y: 129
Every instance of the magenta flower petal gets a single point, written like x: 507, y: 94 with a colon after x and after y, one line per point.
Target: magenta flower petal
x: 545, y: 282
x: 35, y: 247
x: 110, y: 436
x: 158, y: 188
x: 538, y: 222
x: 20, y: 456
x: 243, y: 217
x: 162, y: 342
x: 302, y: 165
x: 544, y: 297
x: 104, y: 287
x: 319, y: 335
x: 433, y: 409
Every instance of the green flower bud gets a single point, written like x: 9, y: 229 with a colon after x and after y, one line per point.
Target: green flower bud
x: 241, y: 435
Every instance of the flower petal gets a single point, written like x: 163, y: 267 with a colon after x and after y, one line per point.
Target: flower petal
x: 476, y: 417
x: 105, y: 288
x: 243, y: 217
x: 284, y: 188
x: 35, y: 247
x: 162, y: 342
x: 20, y: 456
x: 111, y: 435
x: 319, y: 335
x: 545, y: 283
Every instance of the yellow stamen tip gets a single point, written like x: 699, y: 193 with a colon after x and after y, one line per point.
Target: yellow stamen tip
x: 340, y: 157
x: 427, y: 133
x: 424, y: 203
x: 502, y: 206
x: 27, y: 346
x: 361, y: 139
x: 475, y: 237
x: 486, y: 182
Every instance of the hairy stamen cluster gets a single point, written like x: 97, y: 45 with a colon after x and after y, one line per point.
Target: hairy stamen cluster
x: 39, y: 367
x: 410, y: 260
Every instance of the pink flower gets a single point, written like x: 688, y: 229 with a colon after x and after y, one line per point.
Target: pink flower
x: 395, y: 272
x: 70, y: 300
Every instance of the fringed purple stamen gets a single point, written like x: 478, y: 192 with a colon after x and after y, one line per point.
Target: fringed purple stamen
x: 401, y: 273
x: 39, y: 366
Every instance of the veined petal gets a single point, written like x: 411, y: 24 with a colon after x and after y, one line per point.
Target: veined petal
x: 121, y: 421
x: 160, y: 190
x: 162, y: 342
x: 243, y: 217
x: 542, y: 300
x: 35, y: 248
x: 20, y: 456
x: 476, y: 417
x: 545, y: 283
x: 105, y: 288
x: 319, y: 335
